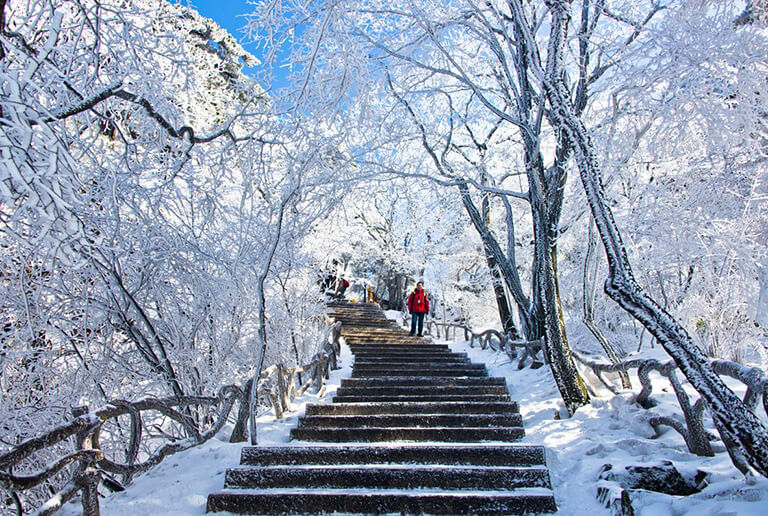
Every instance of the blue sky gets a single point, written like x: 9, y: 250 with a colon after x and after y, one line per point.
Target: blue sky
x: 229, y: 14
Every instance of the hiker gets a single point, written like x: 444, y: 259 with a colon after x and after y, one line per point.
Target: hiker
x: 342, y: 287
x: 418, y: 305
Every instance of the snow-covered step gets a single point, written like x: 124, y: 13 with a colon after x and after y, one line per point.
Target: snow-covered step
x: 366, y: 340
x: 453, y: 407
x: 400, y: 348
x: 501, y: 454
x: 362, y: 363
x: 419, y: 371
x: 361, y: 359
x: 417, y: 390
x: 296, y: 501
x: 421, y: 380
x: 406, y: 355
x: 401, y: 420
x: 421, y: 397
x: 444, y: 434
x: 391, y: 476
x: 460, y: 365
x: 364, y: 323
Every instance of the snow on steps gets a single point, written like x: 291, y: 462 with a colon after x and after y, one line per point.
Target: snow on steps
x: 403, y: 390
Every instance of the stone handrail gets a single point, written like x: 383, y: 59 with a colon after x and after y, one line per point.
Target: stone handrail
x: 92, y: 466
x: 690, y: 425
x: 285, y: 390
x: 493, y: 339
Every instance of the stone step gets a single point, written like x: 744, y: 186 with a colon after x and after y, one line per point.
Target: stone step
x: 359, y: 314
x: 420, y: 398
x: 411, y: 420
x: 420, y: 365
x: 417, y: 390
x: 452, y: 369
x: 407, y: 346
x: 448, y: 454
x: 390, y: 407
x: 406, y: 354
x: 395, y: 341
x: 391, y: 476
x: 365, y: 501
x: 445, y: 372
x: 442, y: 361
x: 409, y: 357
x: 377, y: 347
x: 400, y: 350
x: 421, y: 381
x: 334, y: 304
x: 385, y: 338
x: 445, y: 434
x: 366, y: 323
x: 394, y: 356
x: 378, y: 338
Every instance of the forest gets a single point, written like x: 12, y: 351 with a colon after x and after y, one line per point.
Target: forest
x: 589, y: 174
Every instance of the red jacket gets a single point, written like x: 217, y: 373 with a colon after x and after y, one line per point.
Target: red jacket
x: 418, y: 302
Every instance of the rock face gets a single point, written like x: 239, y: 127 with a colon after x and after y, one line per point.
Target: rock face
x: 662, y: 477
x: 615, y: 484
x: 417, y: 429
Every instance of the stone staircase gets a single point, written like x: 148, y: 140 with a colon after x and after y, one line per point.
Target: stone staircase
x: 416, y: 429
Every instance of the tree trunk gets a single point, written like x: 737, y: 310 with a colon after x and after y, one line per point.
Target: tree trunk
x: 396, y: 289
x: 507, y: 269
x: 735, y: 418
x: 589, y: 283
x: 556, y: 349
x: 505, y: 310
x: 761, y: 312
x: 262, y: 331
x: 502, y: 303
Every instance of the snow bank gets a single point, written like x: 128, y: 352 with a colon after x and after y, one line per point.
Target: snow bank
x: 612, y: 430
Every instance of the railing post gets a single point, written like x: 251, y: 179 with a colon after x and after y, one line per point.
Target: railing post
x: 282, y: 388
x: 253, y: 407
x: 86, y: 476
x: 320, y: 373
x: 240, y: 430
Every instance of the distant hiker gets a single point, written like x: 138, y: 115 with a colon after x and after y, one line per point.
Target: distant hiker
x: 327, y: 281
x: 342, y: 287
x: 418, y: 305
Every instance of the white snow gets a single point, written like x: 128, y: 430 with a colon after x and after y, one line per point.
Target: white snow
x: 611, y: 430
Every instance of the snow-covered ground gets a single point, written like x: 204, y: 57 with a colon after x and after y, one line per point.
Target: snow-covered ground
x: 609, y: 431
x: 612, y: 430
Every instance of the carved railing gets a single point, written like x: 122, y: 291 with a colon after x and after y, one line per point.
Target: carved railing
x: 498, y: 341
x: 285, y: 389
x: 89, y: 466
x: 493, y: 339
x: 447, y: 330
x: 691, y: 424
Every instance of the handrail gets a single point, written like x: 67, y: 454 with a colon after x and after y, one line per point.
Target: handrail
x: 92, y: 467
x: 691, y: 425
x: 91, y: 462
x: 285, y: 390
x: 493, y: 339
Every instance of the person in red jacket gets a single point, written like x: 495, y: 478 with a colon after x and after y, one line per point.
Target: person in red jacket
x: 418, y: 305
